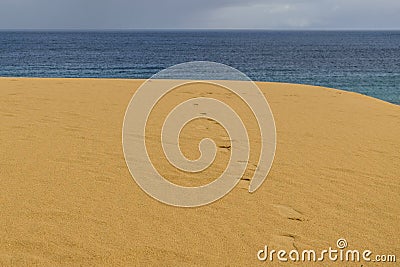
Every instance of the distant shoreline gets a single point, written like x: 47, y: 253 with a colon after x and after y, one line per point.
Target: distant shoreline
x: 360, y: 61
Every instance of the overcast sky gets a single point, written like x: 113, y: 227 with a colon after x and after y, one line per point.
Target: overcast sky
x: 217, y: 14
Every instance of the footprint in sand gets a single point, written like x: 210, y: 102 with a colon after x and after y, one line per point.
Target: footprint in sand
x: 284, y: 241
x: 290, y: 213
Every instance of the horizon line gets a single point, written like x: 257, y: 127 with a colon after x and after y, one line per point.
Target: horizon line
x: 201, y: 29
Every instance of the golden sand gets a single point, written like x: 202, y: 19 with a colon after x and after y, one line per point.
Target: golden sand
x: 67, y: 197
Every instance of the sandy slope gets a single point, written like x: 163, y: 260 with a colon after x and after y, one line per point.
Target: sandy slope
x: 67, y: 196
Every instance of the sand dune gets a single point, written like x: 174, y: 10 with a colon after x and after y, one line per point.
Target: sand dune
x: 67, y: 197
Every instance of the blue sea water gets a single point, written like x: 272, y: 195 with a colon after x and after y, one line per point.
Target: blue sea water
x: 367, y: 62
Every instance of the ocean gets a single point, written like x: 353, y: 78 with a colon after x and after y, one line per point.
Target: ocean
x: 366, y: 62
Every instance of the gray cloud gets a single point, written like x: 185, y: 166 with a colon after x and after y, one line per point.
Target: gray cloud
x: 265, y: 14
